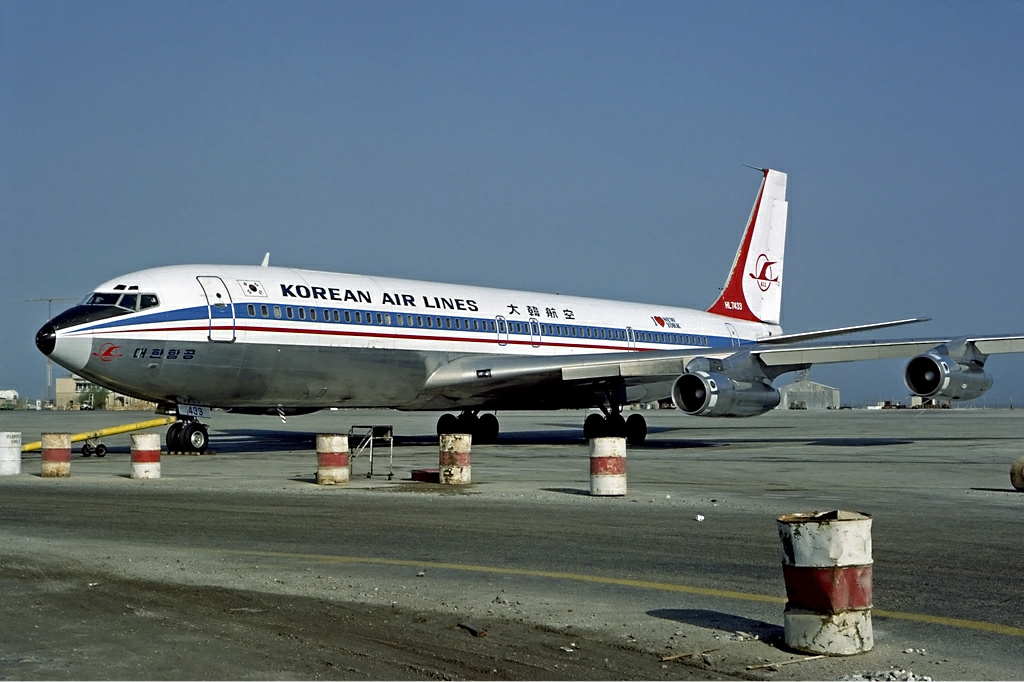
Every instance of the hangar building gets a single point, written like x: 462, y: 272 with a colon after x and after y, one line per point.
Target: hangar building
x: 804, y: 394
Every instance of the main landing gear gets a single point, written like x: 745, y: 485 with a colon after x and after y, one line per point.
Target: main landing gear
x: 634, y: 429
x: 484, y: 428
x: 188, y: 436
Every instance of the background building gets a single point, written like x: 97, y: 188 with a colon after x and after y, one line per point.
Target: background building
x: 804, y: 394
x: 75, y: 393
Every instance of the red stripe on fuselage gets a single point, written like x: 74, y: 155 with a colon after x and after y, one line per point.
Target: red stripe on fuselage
x: 490, y: 340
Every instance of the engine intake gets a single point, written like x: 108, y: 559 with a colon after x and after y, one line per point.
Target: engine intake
x: 710, y: 394
x: 933, y: 375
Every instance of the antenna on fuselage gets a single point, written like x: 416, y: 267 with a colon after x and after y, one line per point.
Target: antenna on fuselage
x: 266, y: 260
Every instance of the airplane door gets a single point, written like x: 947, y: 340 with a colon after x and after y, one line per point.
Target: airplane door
x: 220, y: 309
x: 630, y: 339
x: 502, y: 330
x: 534, y: 332
x: 734, y: 338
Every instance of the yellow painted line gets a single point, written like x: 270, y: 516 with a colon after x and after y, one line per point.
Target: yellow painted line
x: 623, y: 582
x: 953, y: 622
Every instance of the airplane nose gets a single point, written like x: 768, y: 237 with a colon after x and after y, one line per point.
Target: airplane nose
x: 46, y: 339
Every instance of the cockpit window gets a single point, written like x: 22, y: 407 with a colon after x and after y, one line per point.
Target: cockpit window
x: 103, y: 299
x: 129, y: 302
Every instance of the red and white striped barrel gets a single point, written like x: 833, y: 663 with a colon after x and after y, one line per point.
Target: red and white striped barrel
x: 608, y: 466
x: 10, y: 453
x: 56, y: 449
x: 454, y: 459
x: 826, y: 562
x: 1017, y: 474
x: 145, y: 455
x: 331, y: 459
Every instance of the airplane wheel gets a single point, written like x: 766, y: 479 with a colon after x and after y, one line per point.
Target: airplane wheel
x: 636, y: 429
x: 195, y: 437
x: 447, y: 423
x: 174, y: 443
x: 467, y: 423
x: 593, y: 426
x: 615, y: 426
x: 487, y: 428
x: 86, y: 450
x: 101, y: 450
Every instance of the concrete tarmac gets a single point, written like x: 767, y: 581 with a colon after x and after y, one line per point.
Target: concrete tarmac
x: 567, y: 585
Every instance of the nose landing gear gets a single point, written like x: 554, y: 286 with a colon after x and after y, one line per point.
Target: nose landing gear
x: 188, y: 436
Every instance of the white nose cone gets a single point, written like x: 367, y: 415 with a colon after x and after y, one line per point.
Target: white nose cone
x: 74, y: 353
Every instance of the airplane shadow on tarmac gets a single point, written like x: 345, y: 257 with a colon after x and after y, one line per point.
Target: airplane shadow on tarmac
x: 237, y: 441
x: 766, y: 632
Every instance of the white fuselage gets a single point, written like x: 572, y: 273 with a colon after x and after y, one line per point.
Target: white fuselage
x: 250, y: 337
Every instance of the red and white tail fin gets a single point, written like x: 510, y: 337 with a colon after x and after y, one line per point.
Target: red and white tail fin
x: 753, y: 290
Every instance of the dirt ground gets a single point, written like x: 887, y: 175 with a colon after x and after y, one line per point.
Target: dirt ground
x: 58, y: 627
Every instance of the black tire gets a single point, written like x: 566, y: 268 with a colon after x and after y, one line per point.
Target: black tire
x: 593, y: 426
x: 467, y: 423
x: 174, y: 442
x: 86, y: 450
x: 195, y: 438
x: 101, y: 450
x: 447, y: 424
x: 636, y: 429
x: 487, y: 428
x: 615, y: 426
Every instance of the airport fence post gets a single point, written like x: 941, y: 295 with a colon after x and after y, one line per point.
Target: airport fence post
x: 608, y: 466
x: 56, y: 455
x: 332, y: 463
x: 145, y: 455
x: 454, y: 459
x: 826, y: 563
x: 10, y: 453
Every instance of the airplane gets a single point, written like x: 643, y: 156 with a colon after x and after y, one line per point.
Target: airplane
x: 275, y: 340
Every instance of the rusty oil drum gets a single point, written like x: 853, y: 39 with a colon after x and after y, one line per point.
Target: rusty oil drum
x: 826, y: 563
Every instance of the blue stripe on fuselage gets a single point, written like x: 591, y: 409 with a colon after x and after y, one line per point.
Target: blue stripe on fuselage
x: 199, y: 315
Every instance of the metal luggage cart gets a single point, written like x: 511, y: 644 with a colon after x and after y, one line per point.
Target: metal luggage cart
x: 368, y: 435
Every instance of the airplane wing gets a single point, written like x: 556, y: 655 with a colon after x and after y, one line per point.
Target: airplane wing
x: 810, y: 354
x: 489, y: 374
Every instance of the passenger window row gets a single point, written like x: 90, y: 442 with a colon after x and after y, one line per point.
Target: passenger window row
x: 501, y: 326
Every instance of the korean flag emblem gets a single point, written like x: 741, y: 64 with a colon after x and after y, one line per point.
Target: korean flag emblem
x: 251, y: 288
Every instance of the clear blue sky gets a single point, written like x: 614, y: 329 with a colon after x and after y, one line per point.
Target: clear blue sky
x: 591, y: 148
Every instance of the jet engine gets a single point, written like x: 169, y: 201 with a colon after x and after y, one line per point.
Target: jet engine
x: 934, y: 375
x: 710, y: 394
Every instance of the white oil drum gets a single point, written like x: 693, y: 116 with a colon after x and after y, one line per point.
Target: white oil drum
x: 145, y: 455
x: 827, y: 566
x: 56, y: 455
x: 454, y: 459
x: 332, y: 459
x: 608, y: 466
x: 10, y: 453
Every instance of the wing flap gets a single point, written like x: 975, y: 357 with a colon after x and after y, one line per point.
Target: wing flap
x: 587, y: 372
x: 999, y: 344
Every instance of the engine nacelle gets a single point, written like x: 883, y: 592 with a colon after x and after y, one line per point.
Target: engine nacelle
x: 710, y: 394
x: 934, y: 375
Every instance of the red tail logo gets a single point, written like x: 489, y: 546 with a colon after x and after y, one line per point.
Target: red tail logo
x: 764, y: 275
